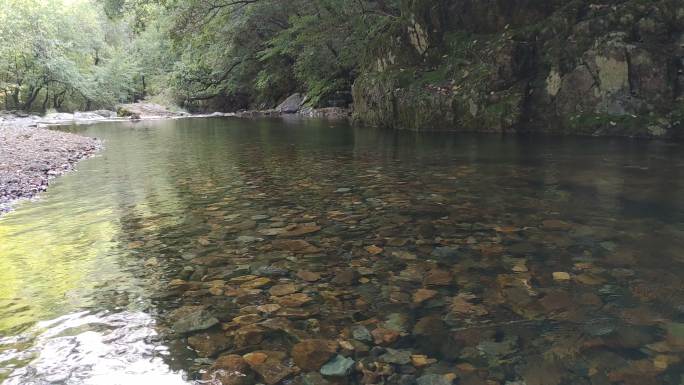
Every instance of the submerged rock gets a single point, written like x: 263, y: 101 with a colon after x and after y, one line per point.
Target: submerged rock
x: 361, y: 333
x: 229, y: 370
x: 338, y: 367
x: 310, y: 355
x: 210, y: 344
x: 399, y: 357
x: 197, y: 319
x: 272, y: 372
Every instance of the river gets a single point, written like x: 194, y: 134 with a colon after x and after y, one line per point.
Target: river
x: 429, y: 257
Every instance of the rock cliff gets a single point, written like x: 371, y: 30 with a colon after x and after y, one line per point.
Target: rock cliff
x: 579, y: 67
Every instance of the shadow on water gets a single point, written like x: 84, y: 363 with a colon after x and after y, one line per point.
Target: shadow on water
x: 85, y: 270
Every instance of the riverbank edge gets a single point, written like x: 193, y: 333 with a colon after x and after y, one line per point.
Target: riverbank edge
x: 33, y: 156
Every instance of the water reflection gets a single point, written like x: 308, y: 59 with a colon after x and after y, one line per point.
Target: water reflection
x: 167, y: 200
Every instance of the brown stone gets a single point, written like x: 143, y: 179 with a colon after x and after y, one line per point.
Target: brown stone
x: 374, y: 250
x: 177, y: 284
x: 215, y: 290
x: 284, y: 289
x: 293, y: 300
x: 383, y: 336
x: 247, y: 319
x: 243, y: 278
x: 296, y: 313
x: 345, y: 277
x: 231, y: 362
x: 397, y: 242
x: 249, y: 335
x: 272, y: 372
x: 299, y: 230
x: 461, y: 305
x: 255, y: 358
x: 229, y: 370
x: 256, y: 283
x: 438, y: 277
x: 555, y: 224
x: 269, y: 308
x: 422, y: 295
x: 421, y: 360
x: 309, y: 276
x: 310, y: 355
x: 210, y: 344
x: 295, y: 245
x: 589, y: 279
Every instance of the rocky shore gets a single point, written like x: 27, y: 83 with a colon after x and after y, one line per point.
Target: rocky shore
x: 31, y: 156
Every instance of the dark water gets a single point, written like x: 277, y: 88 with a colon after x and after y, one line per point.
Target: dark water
x: 503, y: 260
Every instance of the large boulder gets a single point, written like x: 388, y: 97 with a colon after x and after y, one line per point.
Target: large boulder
x: 292, y: 104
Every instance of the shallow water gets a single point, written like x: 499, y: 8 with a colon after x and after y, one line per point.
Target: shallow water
x: 504, y: 259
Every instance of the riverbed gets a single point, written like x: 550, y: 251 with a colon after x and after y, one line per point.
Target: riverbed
x: 312, y: 252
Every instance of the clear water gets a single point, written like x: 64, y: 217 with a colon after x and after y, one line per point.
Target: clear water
x: 547, y: 260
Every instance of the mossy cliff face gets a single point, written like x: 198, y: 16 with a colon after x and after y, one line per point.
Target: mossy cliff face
x: 614, y: 68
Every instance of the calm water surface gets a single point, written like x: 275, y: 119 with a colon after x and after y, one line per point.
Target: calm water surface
x: 500, y: 259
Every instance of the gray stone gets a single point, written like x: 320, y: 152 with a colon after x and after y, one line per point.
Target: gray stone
x: 269, y: 271
x: 499, y: 349
x: 248, y: 239
x: 339, y: 366
x: 200, y: 320
x: 445, y: 252
x: 394, y: 356
x: 292, y: 104
x: 360, y: 333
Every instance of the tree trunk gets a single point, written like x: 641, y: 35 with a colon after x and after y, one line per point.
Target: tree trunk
x: 15, y: 97
x: 33, y: 94
x: 46, y: 100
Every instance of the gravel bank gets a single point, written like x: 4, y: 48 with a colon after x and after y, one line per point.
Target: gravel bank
x: 31, y: 156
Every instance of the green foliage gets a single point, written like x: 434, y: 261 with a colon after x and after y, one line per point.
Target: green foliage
x: 63, y: 55
x: 82, y: 54
x: 268, y: 49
